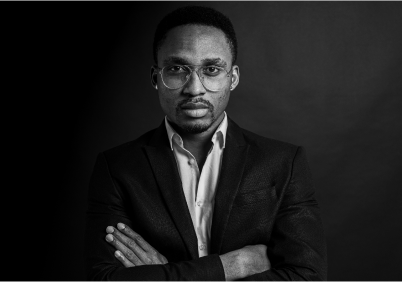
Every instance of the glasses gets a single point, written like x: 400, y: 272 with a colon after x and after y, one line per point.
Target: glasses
x: 213, y: 78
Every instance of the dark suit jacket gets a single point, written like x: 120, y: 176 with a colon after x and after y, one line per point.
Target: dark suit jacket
x: 265, y: 195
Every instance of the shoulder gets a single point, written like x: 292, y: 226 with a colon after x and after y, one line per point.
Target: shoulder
x: 277, y: 157
x: 266, y: 146
x: 128, y: 149
x: 268, y: 143
x: 271, y: 150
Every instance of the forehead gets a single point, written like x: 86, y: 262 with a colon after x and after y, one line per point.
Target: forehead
x: 195, y: 44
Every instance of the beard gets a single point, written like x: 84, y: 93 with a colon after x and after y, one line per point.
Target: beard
x: 198, y: 127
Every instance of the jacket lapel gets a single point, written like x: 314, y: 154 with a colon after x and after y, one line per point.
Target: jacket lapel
x: 234, y: 159
x: 167, y: 176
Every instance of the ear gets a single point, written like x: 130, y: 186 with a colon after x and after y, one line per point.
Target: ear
x: 154, y: 77
x: 235, y: 77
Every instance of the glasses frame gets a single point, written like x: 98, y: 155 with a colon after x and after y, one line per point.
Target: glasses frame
x: 192, y: 68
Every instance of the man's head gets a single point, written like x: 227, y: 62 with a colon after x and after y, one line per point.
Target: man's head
x: 195, y: 15
x: 195, y: 97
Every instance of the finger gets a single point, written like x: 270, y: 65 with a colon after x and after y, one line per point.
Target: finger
x: 133, y: 235
x: 129, y: 254
x: 123, y: 259
x: 131, y: 244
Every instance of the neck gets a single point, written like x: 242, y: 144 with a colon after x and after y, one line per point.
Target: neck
x: 198, y: 140
x: 199, y: 143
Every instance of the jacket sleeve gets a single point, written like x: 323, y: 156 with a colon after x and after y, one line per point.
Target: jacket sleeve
x: 297, y: 248
x: 106, y: 208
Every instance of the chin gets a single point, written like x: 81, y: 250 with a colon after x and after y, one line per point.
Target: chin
x: 195, y: 127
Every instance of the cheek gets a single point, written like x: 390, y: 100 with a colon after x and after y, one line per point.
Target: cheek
x: 223, y: 100
x: 167, y: 103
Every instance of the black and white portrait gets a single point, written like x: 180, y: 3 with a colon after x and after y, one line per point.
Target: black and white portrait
x: 202, y: 140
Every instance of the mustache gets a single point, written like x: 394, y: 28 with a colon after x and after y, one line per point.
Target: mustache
x: 195, y: 101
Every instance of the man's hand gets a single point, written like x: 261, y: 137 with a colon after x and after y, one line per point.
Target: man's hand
x: 132, y: 249
x: 244, y: 262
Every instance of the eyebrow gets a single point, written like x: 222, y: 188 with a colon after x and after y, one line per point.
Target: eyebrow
x: 205, y: 62
x: 214, y: 61
x: 175, y: 60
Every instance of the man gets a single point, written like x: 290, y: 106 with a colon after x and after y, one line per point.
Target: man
x: 200, y: 198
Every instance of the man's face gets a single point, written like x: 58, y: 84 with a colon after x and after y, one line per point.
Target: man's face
x: 193, y: 108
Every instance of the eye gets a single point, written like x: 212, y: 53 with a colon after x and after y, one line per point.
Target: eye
x: 212, y: 70
x: 175, y: 69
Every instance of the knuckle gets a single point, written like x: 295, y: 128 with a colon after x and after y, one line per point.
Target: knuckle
x: 131, y: 243
x: 129, y: 255
x: 139, y: 263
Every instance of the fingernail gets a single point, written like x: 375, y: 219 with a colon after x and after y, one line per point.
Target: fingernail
x: 109, y: 237
x: 118, y: 254
x: 109, y: 229
x: 121, y: 226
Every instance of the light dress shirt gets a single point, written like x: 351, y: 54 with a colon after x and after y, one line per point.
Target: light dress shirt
x: 200, y: 187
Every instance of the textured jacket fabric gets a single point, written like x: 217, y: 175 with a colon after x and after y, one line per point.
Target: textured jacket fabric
x: 265, y: 195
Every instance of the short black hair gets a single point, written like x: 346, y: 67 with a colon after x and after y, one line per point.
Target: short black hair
x: 195, y: 15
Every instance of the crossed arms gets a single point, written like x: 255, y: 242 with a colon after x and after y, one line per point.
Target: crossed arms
x: 132, y: 250
x: 296, y: 247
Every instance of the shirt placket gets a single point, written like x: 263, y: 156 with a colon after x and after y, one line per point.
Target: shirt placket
x: 200, y: 184
x: 204, y: 204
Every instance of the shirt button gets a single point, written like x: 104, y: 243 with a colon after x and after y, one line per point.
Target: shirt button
x: 199, y: 203
x: 202, y: 247
x: 191, y: 162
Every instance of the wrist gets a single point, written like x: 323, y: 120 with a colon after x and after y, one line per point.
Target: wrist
x: 234, y: 265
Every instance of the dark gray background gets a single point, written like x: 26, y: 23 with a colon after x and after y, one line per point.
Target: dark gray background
x: 325, y: 75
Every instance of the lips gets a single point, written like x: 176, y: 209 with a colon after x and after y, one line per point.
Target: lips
x: 194, y: 106
x: 195, y: 110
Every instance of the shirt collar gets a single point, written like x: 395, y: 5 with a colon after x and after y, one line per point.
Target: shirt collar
x: 220, y: 133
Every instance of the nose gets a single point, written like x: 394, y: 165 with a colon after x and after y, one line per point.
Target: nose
x: 194, y: 85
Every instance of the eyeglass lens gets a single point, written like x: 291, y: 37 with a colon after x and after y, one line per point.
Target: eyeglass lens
x: 213, y: 78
